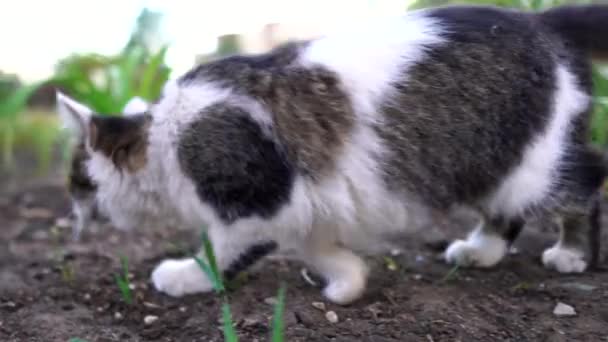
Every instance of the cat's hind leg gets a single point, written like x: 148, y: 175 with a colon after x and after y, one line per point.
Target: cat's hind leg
x: 579, y: 242
x: 486, y: 245
x: 577, y: 210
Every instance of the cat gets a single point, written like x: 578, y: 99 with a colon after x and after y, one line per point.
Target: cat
x: 323, y: 147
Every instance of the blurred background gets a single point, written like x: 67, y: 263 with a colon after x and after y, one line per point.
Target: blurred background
x: 103, y: 53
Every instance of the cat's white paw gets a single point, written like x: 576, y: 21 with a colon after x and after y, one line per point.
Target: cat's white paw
x: 564, y: 260
x: 349, y: 285
x: 345, y: 291
x: 180, y: 277
x: 479, y: 250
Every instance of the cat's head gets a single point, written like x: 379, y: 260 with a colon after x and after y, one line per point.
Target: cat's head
x: 121, y: 140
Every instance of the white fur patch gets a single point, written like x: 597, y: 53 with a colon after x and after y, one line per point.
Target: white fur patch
x: 531, y: 181
x: 479, y: 250
x: 355, y: 199
x: 564, y: 260
x: 180, y: 277
x: 370, y: 57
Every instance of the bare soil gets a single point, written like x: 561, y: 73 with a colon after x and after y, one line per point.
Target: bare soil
x: 53, y: 289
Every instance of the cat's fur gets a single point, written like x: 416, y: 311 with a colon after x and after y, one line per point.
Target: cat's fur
x: 324, y: 147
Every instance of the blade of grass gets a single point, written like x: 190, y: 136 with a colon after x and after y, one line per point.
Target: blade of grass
x: 217, y: 284
x: 125, y: 266
x: 123, y: 281
x: 210, y: 255
x: 278, y: 326
x: 229, y: 332
x: 125, y: 290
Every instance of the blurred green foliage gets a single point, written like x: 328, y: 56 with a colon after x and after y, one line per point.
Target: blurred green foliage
x: 11, y: 126
x: 105, y: 83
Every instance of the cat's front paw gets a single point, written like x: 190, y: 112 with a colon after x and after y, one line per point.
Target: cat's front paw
x: 180, y: 277
x: 564, y: 260
x: 344, y: 291
x: 348, y: 285
x: 476, y: 251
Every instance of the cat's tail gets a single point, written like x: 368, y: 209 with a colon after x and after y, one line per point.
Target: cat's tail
x: 584, y: 26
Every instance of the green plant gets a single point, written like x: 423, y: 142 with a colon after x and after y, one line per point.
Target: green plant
x: 122, y: 280
x: 76, y: 339
x: 278, y: 329
x: 214, y: 275
x: 212, y: 271
x: 599, y: 120
x: 106, y: 84
x: 10, y: 107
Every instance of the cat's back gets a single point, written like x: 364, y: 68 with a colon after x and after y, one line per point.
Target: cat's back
x: 442, y: 103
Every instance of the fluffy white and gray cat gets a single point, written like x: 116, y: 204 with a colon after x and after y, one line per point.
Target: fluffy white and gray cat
x: 324, y: 147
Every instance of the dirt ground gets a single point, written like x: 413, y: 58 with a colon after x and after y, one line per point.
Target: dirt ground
x: 52, y: 289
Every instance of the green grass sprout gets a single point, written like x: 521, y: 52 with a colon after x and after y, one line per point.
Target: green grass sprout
x: 228, y: 324
x: 122, y: 280
x: 210, y: 268
x: 278, y: 325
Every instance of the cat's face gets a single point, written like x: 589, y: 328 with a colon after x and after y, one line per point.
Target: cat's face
x: 121, y: 140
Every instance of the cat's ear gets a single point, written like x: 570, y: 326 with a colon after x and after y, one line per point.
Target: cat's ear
x: 74, y: 115
x: 122, y: 139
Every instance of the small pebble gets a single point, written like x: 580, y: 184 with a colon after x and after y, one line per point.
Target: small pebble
x: 420, y: 258
x: 319, y: 305
x: 182, y: 309
x: 114, y: 239
x: 87, y: 296
x: 117, y: 315
x: 417, y: 276
x: 270, y: 300
x: 331, y: 316
x: 150, y: 319
x: 63, y: 222
x: 396, y: 252
x: 132, y: 286
x: 151, y: 305
x: 563, y: 310
x: 8, y: 304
